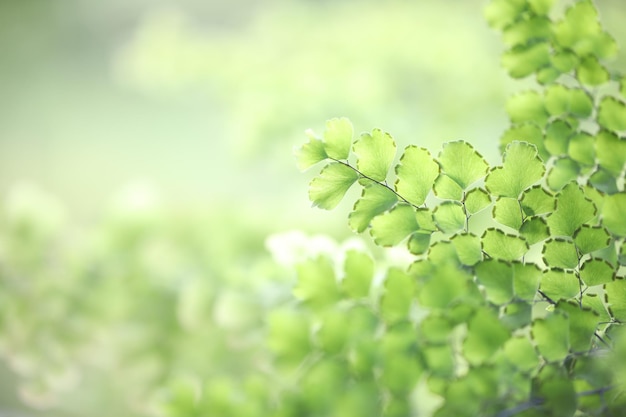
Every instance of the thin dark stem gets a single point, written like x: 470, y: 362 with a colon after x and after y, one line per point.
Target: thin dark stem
x: 548, y: 299
x: 597, y: 391
x: 532, y: 403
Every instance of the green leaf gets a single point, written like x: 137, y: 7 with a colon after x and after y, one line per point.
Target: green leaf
x: 359, y: 271
x: 547, y: 75
x: 556, y: 392
x: 476, y: 199
x: 416, y: 174
x: 332, y: 335
x: 310, y: 154
x: 564, y: 60
x: 449, y: 216
x: 393, y: 227
x: 560, y: 100
x: 517, y: 314
x: 425, y: 221
x: 595, y: 303
x: 591, y: 72
x: 534, y: 229
x: 497, y: 278
x: 536, y: 200
x: 581, y: 148
x: 563, y: 171
x: 541, y: 7
x: 573, y: 209
x: 527, y: 132
x: 615, y: 297
x: 612, y: 114
x: 435, y: 328
x: 525, y: 30
x: 521, y: 168
x: 507, y: 211
x: 439, y: 360
x: 375, y: 199
x: 560, y: 253
x: 582, y: 324
x: 288, y: 334
x: 613, y: 213
x: 557, y: 137
x: 447, y: 189
x: 527, y: 106
x: 375, y: 153
x: 418, y: 243
x: 500, y: 245
x: 611, y: 151
x: 522, y: 61
x: 526, y: 278
x: 501, y: 13
x: 596, y: 271
x: 338, y: 138
x: 551, y: 336
x: 316, y: 284
x: 520, y: 353
x: 485, y: 335
x: 603, y: 181
x: 328, y: 188
x: 591, y: 238
x: 559, y: 284
x: 398, y: 296
x: 579, y: 27
x: 461, y: 162
x: 467, y: 247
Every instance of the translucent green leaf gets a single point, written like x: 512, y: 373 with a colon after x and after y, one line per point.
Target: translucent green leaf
x: 418, y: 243
x: 338, y: 138
x: 622, y: 254
x: 521, y: 168
x: 476, y: 200
x: 425, y: 221
x: 615, y: 296
x: 534, y: 229
x: 332, y: 335
x: 596, y: 271
x: 485, y: 335
x: 582, y: 324
x: 398, y: 296
x: 613, y: 213
x: 605, y: 46
x: 517, y: 315
x: 557, y: 137
x: 439, y: 360
x: 559, y: 284
x: 560, y: 100
x: 316, y: 284
x: 497, y: 278
x: 448, y: 284
x: 541, y: 7
x: 547, y: 75
x: 328, y: 188
x: 520, y: 353
x: 527, y: 106
x: 591, y: 72
x: 375, y: 153
x: 526, y: 279
x: 611, y: 151
x: 551, y: 336
x: 595, y: 303
x: 310, y: 154
x: 581, y: 148
x: 556, y: 392
x: 578, y: 28
x: 526, y: 132
x: 522, y: 61
x: 500, y: 245
x: 507, y: 211
x: 563, y: 171
x: 416, y: 174
x: 564, y: 60
x: 591, y: 238
x: 500, y: 13
x: 536, y: 200
x: 525, y: 30
x: 446, y: 188
x: 622, y: 85
x: 461, y: 162
x: 603, y: 180
x: 288, y: 334
x: 359, y: 271
x: 612, y: 114
x: 467, y: 247
x: 573, y: 209
x: 375, y: 199
x: 435, y: 328
x: 560, y: 253
x: 393, y: 227
x: 449, y: 216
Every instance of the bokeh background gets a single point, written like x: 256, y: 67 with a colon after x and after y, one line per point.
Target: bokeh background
x: 146, y: 159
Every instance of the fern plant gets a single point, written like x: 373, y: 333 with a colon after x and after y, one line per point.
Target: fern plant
x: 516, y: 299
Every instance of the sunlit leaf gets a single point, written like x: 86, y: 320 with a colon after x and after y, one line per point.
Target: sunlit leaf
x: 527, y: 106
x: 507, y: 211
x: 527, y: 132
x: 497, y: 278
x: 615, y: 294
x: 359, y: 271
x: 551, y: 336
x: 536, y: 200
x: 393, y: 227
x: 328, y: 188
x: 582, y: 324
x: 485, y: 335
x: 612, y: 114
x: 338, y: 138
x: 591, y: 72
x: 563, y: 171
x: 560, y: 253
x: 557, y: 137
x: 375, y: 153
x: 556, y: 391
x: 611, y: 151
x: 547, y: 75
x: 541, y: 7
x: 591, y: 238
x: 525, y: 30
x: 461, y: 162
x: 581, y: 148
x: 521, y: 353
x: 573, y: 209
x: 613, y: 213
x: 310, y: 154
x: 449, y: 216
x: 516, y: 315
x: 418, y: 243
x: 564, y: 60
x: 416, y: 174
x: 500, y: 245
x: 288, y: 334
x: 500, y: 13
x: 467, y: 247
x: 522, y: 61
x: 521, y: 168
x: 560, y: 100
x: 375, y: 199
x: 397, y: 297
x: 333, y: 333
x: 435, y: 328
x: 604, y: 181
x: 534, y: 229
x: 316, y: 284
x: 559, y: 284
x: 447, y: 189
x: 596, y: 271
x: 526, y: 277
x: 476, y: 199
